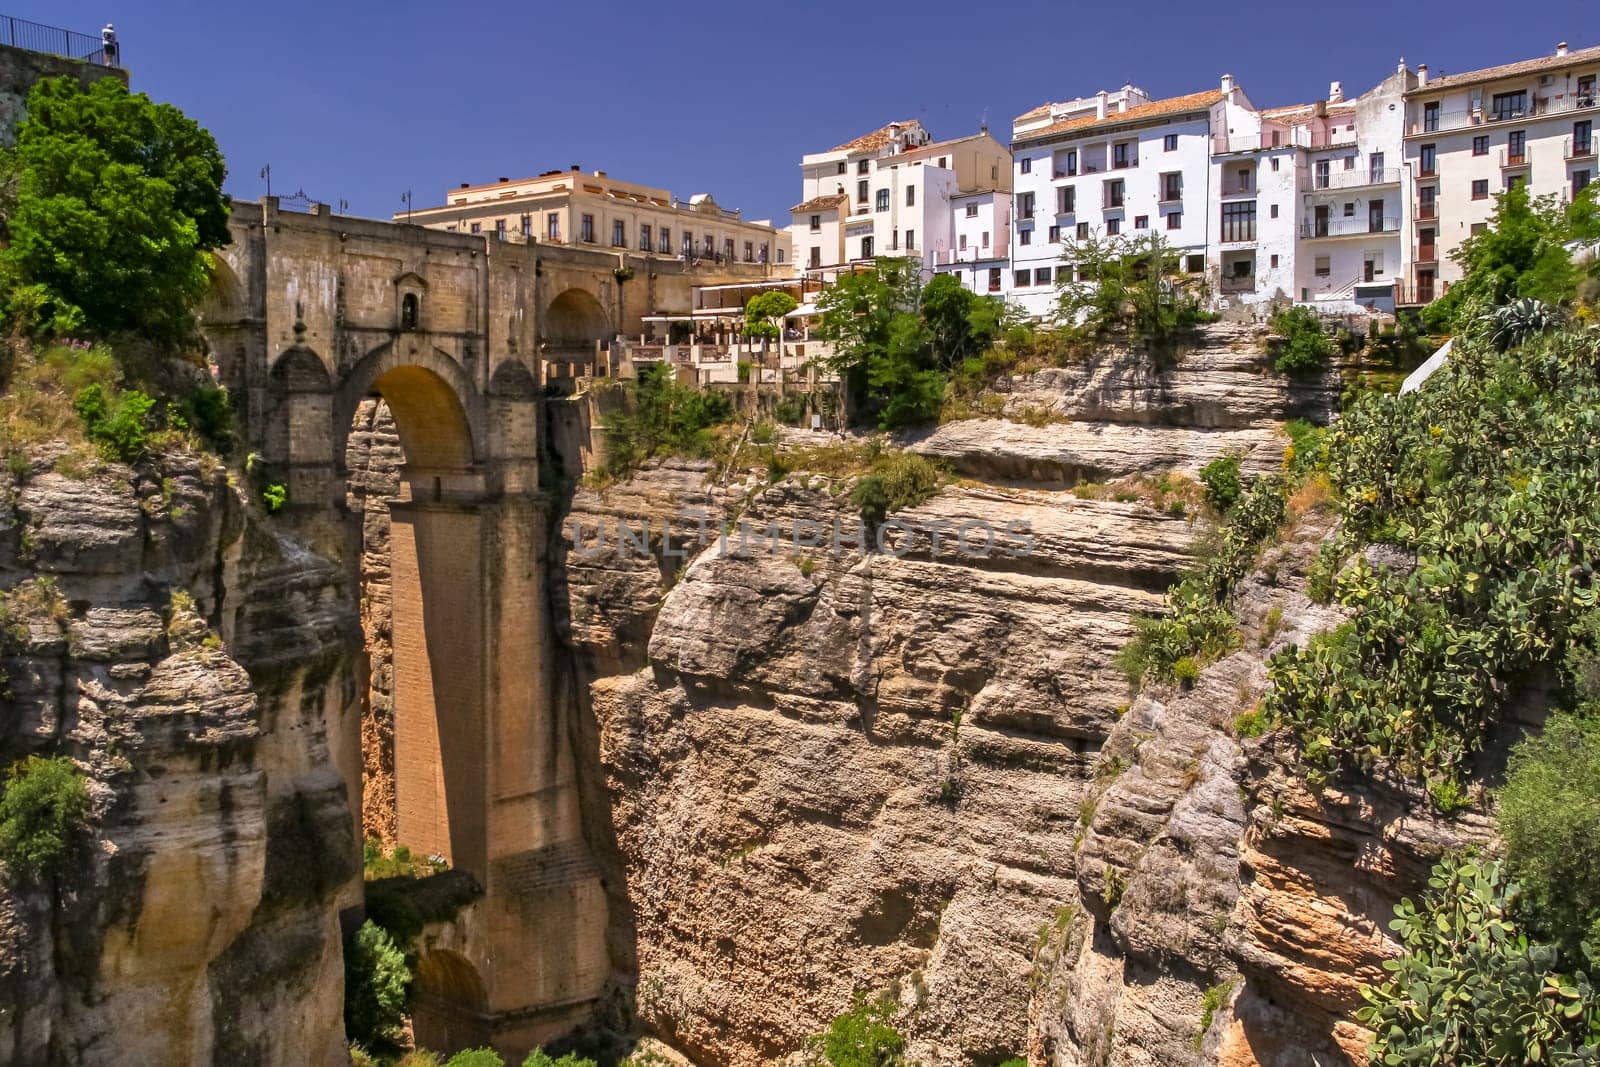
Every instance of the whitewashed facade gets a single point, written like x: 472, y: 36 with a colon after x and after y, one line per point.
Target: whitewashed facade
x: 980, y: 251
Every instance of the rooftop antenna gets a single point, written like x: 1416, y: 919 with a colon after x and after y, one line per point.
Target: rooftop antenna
x: 983, y: 123
x: 405, y: 198
x: 266, y: 172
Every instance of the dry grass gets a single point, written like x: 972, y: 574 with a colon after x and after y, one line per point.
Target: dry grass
x: 1315, y: 494
x: 1174, y: 494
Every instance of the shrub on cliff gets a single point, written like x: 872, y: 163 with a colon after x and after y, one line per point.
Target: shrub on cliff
x: 1221, y: 479
x: 898, y: 480
x: 1306, y: 347
x: 540, y: 1058
x: 864, y: 1036
x: 375, y: 981
x: 43, y: 814
x: 475, y: 1057
x: 667, y: 419
x: 117, y: 201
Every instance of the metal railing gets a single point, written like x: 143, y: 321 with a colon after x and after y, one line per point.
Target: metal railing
x: 1582, y: 150
x: 37, y: 37
x: 1510, y: 159
x: 1442, y: 122
x: 1349, y: 227
x: 1350, y: 179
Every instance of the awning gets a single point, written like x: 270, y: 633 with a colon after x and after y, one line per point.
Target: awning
x: 802, y: 312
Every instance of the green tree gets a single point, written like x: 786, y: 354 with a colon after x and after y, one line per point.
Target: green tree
x: 375, y: 981
x: 117, y: 201
x: 864, y: 1036
x: 43, y: 812
x: 1472, y: 988
x: 1306, y: 347
x: 763, y: 315
x: 961, y: 324
x: 667, y: 418
x: 1130, y: 285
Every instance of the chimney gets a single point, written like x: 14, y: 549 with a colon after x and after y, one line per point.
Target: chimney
x: 1335, y: 92
x: 599, y: 174
x: 1100, y: 104
x: 1561, y: 49
x: 1401, y: 69
x: 1227, y: 85
x: 1422, y: 75
x: 505, y: 179
x: 576, y: 168
x: 464, y: 185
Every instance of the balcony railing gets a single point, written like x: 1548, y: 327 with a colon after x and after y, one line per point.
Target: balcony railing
x: 1510, y: 160
x: 36, y: 37
x: 1238, y: 283
x: 1427, y: 253
x: 1443, y: 122
x: 1425, y: 212
x: 1584, y: 149
x: 1238, y: 188
x: 1112, y: 203
x: 1349, y: 227
x: 1350, y: 179
x: 1063, y: 172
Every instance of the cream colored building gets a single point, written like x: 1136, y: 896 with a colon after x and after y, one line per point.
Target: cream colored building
x: 1469, y: 136
x: 891, y: 192
x: 598, y: 211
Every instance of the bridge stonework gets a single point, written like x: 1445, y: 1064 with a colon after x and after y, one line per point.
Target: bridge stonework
x: 312, y: 313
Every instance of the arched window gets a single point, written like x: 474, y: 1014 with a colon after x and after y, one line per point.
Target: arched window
x: 408, y: 312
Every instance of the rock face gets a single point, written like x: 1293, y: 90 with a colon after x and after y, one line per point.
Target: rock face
x: 824, y: 773
x: 193, y: 661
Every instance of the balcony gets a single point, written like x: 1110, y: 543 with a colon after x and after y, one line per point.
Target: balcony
x: 1510, y: 160
x: 1064, y: 172
x: 1425, y: 212
x: 1351, y: 179
x: 1235, y: 187
x: 1238, y: 283
x: 1112, y: 203
x: 1584, y: 149
x: 1317, y: 228
x: 1539, y: 106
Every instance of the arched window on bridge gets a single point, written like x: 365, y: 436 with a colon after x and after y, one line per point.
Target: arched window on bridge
x: 408, y: 312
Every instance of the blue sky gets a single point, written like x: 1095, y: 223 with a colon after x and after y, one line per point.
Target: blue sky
x: 362, y: 101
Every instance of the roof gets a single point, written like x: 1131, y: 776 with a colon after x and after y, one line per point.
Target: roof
x: 1510, y: 70
x: 1034, y: 113
x: 876, y: 139
x: 1301, y: 114
x: 821, y: 203
x: 1172, y: 105
x: 933, y: 147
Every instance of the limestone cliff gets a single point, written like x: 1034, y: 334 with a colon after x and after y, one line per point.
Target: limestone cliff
x: 918, y: 772
x: 193, y: 660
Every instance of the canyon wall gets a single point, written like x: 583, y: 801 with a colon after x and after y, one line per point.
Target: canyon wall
x: 196, y: 661
x: 920, y: 773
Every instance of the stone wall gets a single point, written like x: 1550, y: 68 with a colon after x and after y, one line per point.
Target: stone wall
x: 21, y: 70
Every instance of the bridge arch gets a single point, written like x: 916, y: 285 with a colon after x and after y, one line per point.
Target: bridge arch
x: 449, y: 1002
x: 576, y: 319
x: 436, y: 410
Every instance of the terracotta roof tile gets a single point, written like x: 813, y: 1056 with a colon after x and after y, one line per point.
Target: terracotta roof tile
x: 876, y: 139
x: 1511, y: 70
x: 1034, y: 113
x: 1172, y: 105
x: 821, y: 203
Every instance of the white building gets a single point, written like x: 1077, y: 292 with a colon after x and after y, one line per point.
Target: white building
x: 1119, y: 164
x: 889, y: 193
x: 980, y: 255
x: 1469, y: 136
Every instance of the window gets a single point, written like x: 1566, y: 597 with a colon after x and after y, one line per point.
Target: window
x: 816, y: 223
x: 1582, y: 137
x: 750, y: 251
x: 1024, y: 206
x: 1480, y: 189
x: 1174, y: 220
x: 1239, y: 221
x: 766, y: 253
x: 1171, y: 187
x: 994, y: 172
x: 619, y: 233
x: 1169, y: 143
x: 527, y: 225
x: 1273, y: 211
x: 664, y: 241
x: 688, y: 244
x: 1055, y: 234
x: 1275, y: 162
x: 972, y: 211
x: 1349, y: 209
x: 1428, y: 159
x: 1516, y: 146
x: 477, y: 227
x: 911, y: 240
x: 500, y: 228
x: 1066, y: 200
x: 1024, y: 279
x: 1083, y: 231
x: 861, y: 191
x: 1480, y: 145
x: 1371, y: 266
x: 866, y: 248
x: 1041, y: 276
x: 1025, y: 237
x: 1070, y: 168
x: 1025, y: 165
x: 983, y: 239
x: 1120, y: 155
x: 911, y: 196
x: 1141, y: 222
x: 815, y: 259
x: 1323, y: 266
x: 994, y: 279
x: 586, y: 231
x: 942, y: 160
x: 645, y: 237
x: 883, y: 200
x: 1113, y: 227
x: 1195, y: 264
x: 1514, y: 180
x: 727, y: 250
x: 961, y: 242
x: 1427, y: 201
x: 1274, y: 262
x: 552, y: 226
x: 1349, y: 162
x: 843, y: 167
x: 709, y: 245
x: 1375, y: 167
x: 1113, y: 193
x: 1319, y: 174
x: 1477, y: 228
x: 408, y: 311
x: 1430, y: 117
x: 1509, y: 105
x: 1580, y: 181
x: 862, y: 165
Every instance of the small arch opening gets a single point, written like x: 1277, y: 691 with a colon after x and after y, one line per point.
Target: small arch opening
x: 408, y: 311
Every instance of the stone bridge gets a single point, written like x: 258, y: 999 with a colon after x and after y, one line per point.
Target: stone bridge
x: 312, y: 314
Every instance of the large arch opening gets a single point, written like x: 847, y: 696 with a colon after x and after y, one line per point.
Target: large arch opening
x: 421, y: 729
x: 576, y: 320
x: 449, y: 1002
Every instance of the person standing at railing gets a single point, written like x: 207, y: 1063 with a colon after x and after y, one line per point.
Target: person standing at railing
x: 108, y: 44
